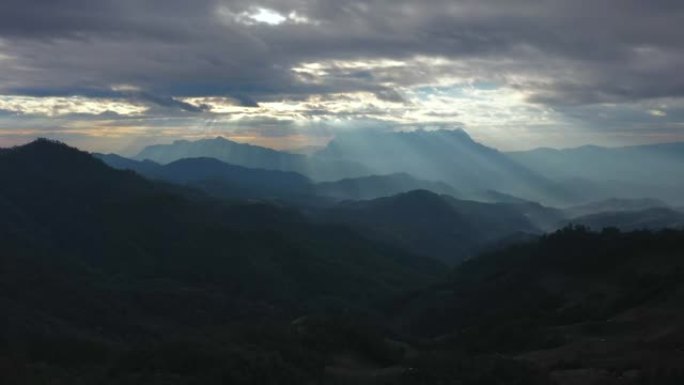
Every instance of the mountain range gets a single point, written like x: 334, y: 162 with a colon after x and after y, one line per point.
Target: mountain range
x: 116, y: 270
x: 449, y: 156
x: 247, y: 155
x: 463, y: 229
x: 646, y: 171
x: 552, y: 177
x: 104, y: 220
x: 219, y: 178
x: 438, y: 226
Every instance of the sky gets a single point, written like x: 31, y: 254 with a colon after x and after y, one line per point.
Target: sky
x: 116, y: 75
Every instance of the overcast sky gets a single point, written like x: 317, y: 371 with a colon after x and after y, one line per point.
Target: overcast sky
x: 114, y: 75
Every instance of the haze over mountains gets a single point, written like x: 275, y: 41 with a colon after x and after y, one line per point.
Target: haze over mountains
x: 554, y: 177
x: 232, y: 192
x: 222, y: 179
x: 472, y: 196
x: 653, y: 171
x: 118, y: 269
x: 247, y: 155
x: 198, y: 269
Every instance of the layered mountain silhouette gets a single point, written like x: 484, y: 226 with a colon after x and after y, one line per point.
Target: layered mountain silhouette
x: 122, y: 271
x: 614, y: 205
x: 240, y: 154
x: 654, y: 171
x: 120, y: 237
x: 221, y: 179
x: 647, y: 219
x: 441, y: 226
x: 247, y: 155
x: 377, y: 186
x: 450, y: 156
x: 552, y: 177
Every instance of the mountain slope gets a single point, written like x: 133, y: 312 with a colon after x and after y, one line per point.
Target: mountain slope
x: 614, y: 205
x: 221, y: 179
x: 648, y: 219
x: 593, y: 306
x: 241, y: 154
x: 247, y: 155
x: 449, y: 156
x: 376, y: 186
x: 625, y: 172
x: 118, y: 231
x: 438, y: 226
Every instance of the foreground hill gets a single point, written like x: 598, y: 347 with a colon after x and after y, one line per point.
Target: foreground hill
x: 108, y: 277
x: 67, y: 202
x: 98, y: 263
x: 587, y: 307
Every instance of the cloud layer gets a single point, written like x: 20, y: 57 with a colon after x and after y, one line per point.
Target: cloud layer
x: 510, y: 71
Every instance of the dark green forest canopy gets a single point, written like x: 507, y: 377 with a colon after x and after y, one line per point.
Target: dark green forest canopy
x: 108, y: 277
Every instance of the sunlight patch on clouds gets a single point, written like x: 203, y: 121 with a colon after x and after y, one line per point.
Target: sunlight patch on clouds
x: 260, y: 15
x: 264, y: 15
x: 409, y: 72
x: 475, y: 107
x: 125, y: 88
x: 324, y: 68
x: 68, y: 105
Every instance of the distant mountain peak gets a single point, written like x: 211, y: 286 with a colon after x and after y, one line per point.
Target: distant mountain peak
x: 451, y: 156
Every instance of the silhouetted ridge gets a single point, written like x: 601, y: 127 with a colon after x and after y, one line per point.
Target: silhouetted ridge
x: 241, y: 154
x: 451, y: 156
x: 438, y: 226
x: 654, y: 218
x: 376, y: 186
x: 600, y: 173
x: 115, y: 253
x: 48, y: 166
x: 247, y: 155
x: 222, y: 179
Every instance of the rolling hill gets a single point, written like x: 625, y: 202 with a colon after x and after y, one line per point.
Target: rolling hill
x: 439, y: 226
x: 585, y: 307
x: 377, y: 186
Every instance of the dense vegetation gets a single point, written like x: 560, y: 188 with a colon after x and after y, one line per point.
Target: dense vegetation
x: 608, y: 303
x: 102, y: 268
x: 110, y: 278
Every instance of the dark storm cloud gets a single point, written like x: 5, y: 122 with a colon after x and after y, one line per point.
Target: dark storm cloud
x: 562, y: 53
